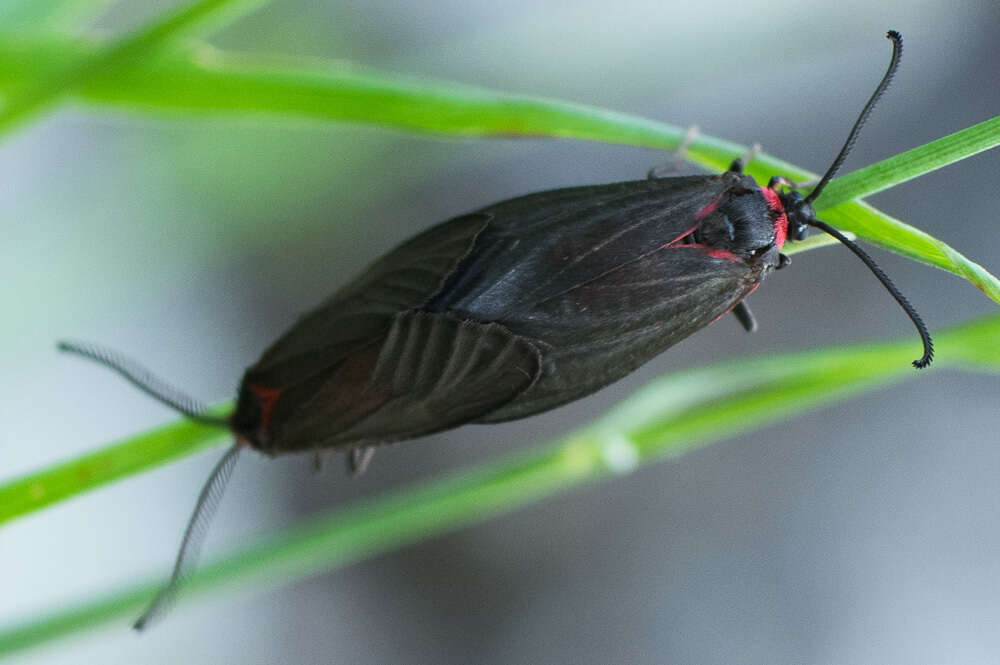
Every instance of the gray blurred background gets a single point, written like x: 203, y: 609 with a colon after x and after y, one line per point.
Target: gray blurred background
x: 866, y: 532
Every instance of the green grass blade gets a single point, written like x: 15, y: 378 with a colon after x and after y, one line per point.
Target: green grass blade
x: 219, y: 83
x: 142, y: 452
x: 667, y: 417
x: 880, y: 229
x: 913, y: 163
x: 35, y: 93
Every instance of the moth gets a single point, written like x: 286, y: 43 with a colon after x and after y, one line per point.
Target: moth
x: 509, y: 311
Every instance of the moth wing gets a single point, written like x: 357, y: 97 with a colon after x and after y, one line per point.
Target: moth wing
x: 540, y: 243
x: 483, y: 257
x: 625, y: 317
x: 403, y: 279
x: 429, y: 372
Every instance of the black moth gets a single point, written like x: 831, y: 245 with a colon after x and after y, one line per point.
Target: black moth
x: 509, y: 311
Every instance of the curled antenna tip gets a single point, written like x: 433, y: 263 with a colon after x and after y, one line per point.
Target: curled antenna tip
x: 897, y: 53
x: 925, y: 336
x: 926, y: 359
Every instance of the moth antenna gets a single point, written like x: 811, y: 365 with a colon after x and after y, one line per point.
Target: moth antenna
x: 145, y: 381
x: 194, y: 536
x: 925, y: 336
x: 897, y: 54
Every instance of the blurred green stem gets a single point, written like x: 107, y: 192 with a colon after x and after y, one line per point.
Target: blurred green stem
x: 232, y: 84
x: 34, y: 93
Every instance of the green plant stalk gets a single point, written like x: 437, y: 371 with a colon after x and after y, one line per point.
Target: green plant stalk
x: 868, y: 223
x: 218, y: 83
x: 36, y: 93
x: 38, y: 490
x: 671, y: 415
x: 912, y: 163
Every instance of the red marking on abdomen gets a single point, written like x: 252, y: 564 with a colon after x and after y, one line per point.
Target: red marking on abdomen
x: 781, y: 221
x: 266, y: 397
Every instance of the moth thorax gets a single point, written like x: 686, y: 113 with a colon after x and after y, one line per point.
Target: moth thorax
x: 740, y: 224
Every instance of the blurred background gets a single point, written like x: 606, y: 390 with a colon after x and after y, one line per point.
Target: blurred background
x: 866, y: 532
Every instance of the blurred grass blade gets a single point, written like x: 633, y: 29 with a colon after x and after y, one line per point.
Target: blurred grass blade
x: 142, y: 452
x: 228, y: 84
x: 217, y: 82
x: 669, y: 416
x: 880, y: 229
x: 913, y: 163
x: 34, y: 93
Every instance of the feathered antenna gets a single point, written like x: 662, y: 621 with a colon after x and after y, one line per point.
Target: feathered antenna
x: 801, y: 212
x: 211, y: 492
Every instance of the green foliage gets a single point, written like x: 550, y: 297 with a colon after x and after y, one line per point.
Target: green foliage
x: 157, y: 69
x: 34, y: 92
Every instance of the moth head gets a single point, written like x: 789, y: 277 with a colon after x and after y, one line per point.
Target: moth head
x: 800, y: 214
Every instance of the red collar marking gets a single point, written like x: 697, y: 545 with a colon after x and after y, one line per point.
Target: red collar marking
x: 781, y: 223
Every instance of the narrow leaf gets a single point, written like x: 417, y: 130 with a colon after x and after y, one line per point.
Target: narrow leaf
x: 891, y: 234
x: 33, y: 94
x: 913, y: 163
x: 219, y: 83
x: 139, y: 453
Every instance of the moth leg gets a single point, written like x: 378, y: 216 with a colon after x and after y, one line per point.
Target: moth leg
x: 745, y: 317
x: 781, y: 181
x: 740, y: 163
x: 323, y: 456
x: 358, y: 459
x: 783, y: 260
x: 806, y: 184
x: 677, y: 163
